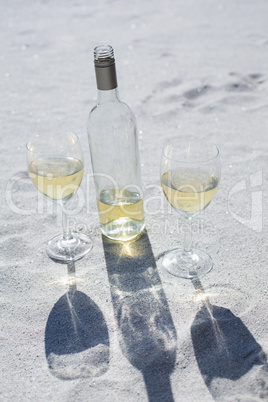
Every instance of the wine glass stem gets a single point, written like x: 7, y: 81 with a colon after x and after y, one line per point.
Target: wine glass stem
x: 187, y: 249
x: 65, y: 227
x: 71, y: 277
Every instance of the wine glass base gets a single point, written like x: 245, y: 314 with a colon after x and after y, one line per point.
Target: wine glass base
x: 77, y: 247
x: 187, y: 265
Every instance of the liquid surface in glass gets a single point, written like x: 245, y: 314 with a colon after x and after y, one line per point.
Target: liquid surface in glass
x: 57, y: 178
x: 189, y: 191
x: 121, y: 214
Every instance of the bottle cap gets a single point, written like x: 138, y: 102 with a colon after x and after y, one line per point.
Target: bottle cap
x: 104, y: 54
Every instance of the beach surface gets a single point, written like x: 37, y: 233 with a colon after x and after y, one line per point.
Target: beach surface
x: 115, y: 325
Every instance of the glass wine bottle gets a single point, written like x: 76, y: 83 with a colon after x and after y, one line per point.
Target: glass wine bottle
x: 114, y: 153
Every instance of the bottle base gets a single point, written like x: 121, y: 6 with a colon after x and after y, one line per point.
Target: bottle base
x: 123, y: 229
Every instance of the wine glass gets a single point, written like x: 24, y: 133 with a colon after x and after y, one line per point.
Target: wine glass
x: 190, y: 176
x: 56, y: 167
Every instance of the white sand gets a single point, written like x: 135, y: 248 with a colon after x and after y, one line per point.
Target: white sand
x: 131, y: 331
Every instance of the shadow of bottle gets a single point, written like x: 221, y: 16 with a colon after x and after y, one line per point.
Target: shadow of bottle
x: 224, y: 347
x: 147, y: 335
x: 76, y: 335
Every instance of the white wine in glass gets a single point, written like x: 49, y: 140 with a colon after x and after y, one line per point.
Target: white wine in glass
x: 190, y: 175
x: 57, y: 178
x: 56, y: 168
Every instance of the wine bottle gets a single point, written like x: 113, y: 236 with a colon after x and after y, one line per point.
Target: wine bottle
x: 114, y: 151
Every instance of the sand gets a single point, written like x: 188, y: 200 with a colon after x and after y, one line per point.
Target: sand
x: 115, y: 326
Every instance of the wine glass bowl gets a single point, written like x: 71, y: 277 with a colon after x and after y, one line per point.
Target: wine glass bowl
x: 56, y: 167
x: 190, y: 176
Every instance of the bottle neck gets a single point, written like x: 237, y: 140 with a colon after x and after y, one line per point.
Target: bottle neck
x: 108, y: 96
x: 105, y: 75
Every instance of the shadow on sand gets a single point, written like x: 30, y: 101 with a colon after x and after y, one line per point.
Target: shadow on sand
x: 76, y: 335
x: 224, y: 347
x: 147, y: 334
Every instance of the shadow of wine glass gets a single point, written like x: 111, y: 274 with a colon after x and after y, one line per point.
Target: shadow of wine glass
x: 147, y: 335
x: 223, y: 346
x: 76, y: 335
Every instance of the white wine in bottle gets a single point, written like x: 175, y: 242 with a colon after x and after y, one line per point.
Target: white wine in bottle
x: 121, y: 213
x: 114, y: 153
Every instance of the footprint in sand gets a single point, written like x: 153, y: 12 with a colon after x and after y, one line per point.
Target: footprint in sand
x: 241, y: 91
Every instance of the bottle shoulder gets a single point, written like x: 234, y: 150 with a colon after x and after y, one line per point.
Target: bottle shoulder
x: 111, y: 115
x: 112, y: 126
x: 112, y: 110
